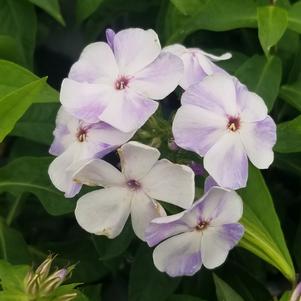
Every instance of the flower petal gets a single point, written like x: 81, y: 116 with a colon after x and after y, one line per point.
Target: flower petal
x: 179, y: 255
x: 252, y: 106
x: 104, y: 211
x: 227, y: 162
x: 259, y: 138
x: 209, y: 182
x: 159, y: 78
x: 217, y: 242
x: 96, y: 61
x: 143, y: 211
x: 197, y: 129
x: 135, y: 48
x: 137, y: 159
x: 129, y: 112
x: 216, y: 58
x: 86, y: 101
x: 164, y: 227
x: 170, y: 182
x: 99, y: 173
x: 110, y: 34
x: 216, y: 93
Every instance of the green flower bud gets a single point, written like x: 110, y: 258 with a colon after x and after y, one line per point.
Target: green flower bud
x: 45, y: 267
x: 67, y: 297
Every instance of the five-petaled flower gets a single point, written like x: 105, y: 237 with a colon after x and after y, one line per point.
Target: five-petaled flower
x: 76, y: 142
x: 203, y: 234
x: 133, y: 191
x: 197, y: 63
x: 118, y: 82
x: 226, y: 124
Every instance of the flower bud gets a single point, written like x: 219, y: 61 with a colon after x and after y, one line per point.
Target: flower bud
x: 172, y: 145
x: 296, y: 296
x: 44, y: 268
x: 67, y: 297
x: 32, y: 286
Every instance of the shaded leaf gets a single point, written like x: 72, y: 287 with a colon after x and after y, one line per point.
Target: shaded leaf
x: 183, y: 298
x: 294, y: 17
x: 291, y: 93
x: 86, y: 8
x: 189, y: 7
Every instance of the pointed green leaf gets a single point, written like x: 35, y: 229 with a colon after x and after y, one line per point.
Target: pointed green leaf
x: 86, y: 8
x: 272, y: 23
x: 291, y: 93
x: 294, y: 17
x: 263, y: 233
x: 189, y: 7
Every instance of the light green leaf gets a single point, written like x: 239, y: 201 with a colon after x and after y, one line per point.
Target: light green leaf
x: 13, y: 77
x: 9, y: 49
x: 263, y: 233
x: 286, y: 296
x: 146, y: 282
x: 16, y: 179
x: 6, y: 296
x: 294, y: 17
x: 18, y: 20
x: 15, y: 104
x: 86, y: 8
x: 52, y: 7
x: 262, y: 76
x: 289, y: 136
x: 291, y: 93
x: 189, y: 7
x: 272, y: 23
x: 224, y: 292
x: 9, y: 239
x: 216, y: 16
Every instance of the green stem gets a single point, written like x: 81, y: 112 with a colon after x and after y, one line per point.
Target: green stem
x: 13, y: 210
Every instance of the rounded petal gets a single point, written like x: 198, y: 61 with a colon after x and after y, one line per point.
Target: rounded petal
x: 197, y: 129
x: 129, y: 112
x: 96, y: 61
x: 135, y: 48
x: 105, y: 211
x: 227, y: 162
x: 99, y: 173
x: 219, y: 206
x: 137, y: 159
x: 60, y: 172
x: 252, y: 106
x: 176, y: 49
x: 216, y: 93
x: 164, y: 227
x: 259, y: 138
x: 179, y: 255
x: 160, y: 78
x: 209, y: 182
x: 86, y: 101
x: 171, y: 183
x: 217, y: 242
x: 143, y: 211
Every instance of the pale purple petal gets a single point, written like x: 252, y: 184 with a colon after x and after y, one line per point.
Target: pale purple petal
x: 217, y: 242
x: 227, y: 162
x: 96, y: 62
x: 128, y: 110
x: 110, y: 34
x: 259, y: 138
x: 197, y: 168
x: 209, y: 182
x: 143, y: 211
x: 216, y: 58
x: 197, y: 129
x: 216, y: 93
x: 296, y: 293
x: 179, y: 255
x: 159, y: 78
x: 135, y: 48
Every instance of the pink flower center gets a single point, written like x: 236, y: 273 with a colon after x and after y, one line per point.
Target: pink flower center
x: 82, y: 134
x: 133, y: 185
x: 233, y: 123
x: 202, y: 225
x: 121, y: 83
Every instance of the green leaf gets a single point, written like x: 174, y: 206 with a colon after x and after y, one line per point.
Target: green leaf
x: 146, y: 282
x: 86, y: 8
x: 13, y: 77
x: 9, y: 49
x: 289, y: 162
x: 291, y: 93
x: 30, y: 175
x: 38, y: 123
x: 189, y: 7
x: 15, y: 104
x: 224, y: 292
x: 52, y: 7
x: 217, y: 16
x: 263, y: 233
x: 9, y: 239
x: 18, y: 19
x: 286, y: 296
x: 7, y: 296
x: 289, y: 136
x: 294, y: 17
x: 262, y: 76
x: 272, y: 23
x: 183, y: 298
x: 110, y: 248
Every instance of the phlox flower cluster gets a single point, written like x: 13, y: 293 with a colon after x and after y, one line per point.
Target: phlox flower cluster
x: 110, y: 92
